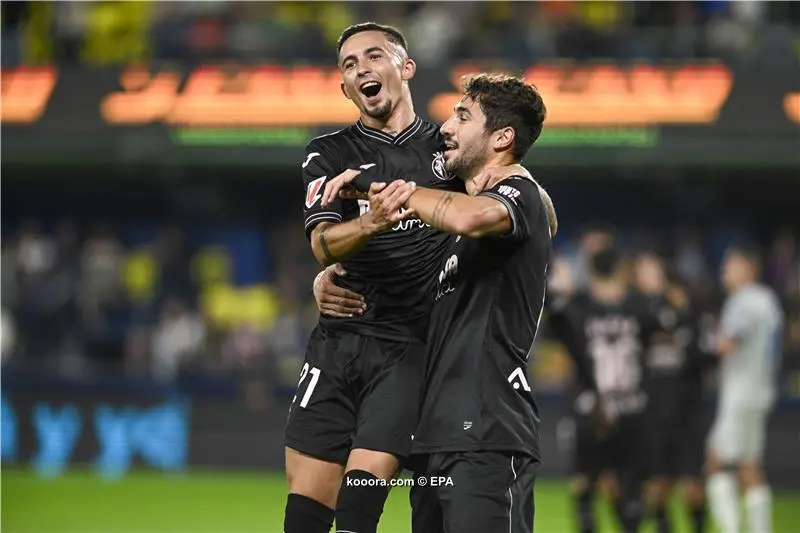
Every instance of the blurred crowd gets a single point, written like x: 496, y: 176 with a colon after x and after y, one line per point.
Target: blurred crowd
x: 81, y: 300
x: 102, y: 33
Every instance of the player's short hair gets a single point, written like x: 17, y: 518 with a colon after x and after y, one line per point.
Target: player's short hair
x: 605, y: 262
x: 393, y: 35
x: 508, y: 101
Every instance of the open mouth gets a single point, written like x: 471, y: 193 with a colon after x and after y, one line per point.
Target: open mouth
x: 449, y: 146
x: 370, y: 89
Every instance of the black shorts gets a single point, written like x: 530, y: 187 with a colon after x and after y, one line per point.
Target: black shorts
x: 355, y: 391
x: 478, y: 492
x: 677, y: 446
x: 623, y: 450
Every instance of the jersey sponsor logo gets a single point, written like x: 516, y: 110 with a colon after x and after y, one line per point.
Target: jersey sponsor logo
x: 309, y: 157
x: 438, y: 168
x: 517, y: 380
x: 401, y: 225
x: 467, y: 425
x: 313, y: 191
x: 509, y: 192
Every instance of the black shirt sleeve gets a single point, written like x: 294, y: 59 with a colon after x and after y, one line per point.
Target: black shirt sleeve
x: 520, y: 196
x: 318, y: 167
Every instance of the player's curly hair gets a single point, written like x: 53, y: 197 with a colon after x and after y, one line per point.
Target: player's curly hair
x: 393, y: 35
x: 508, y: 101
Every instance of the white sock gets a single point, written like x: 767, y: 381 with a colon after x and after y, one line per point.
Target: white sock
x: 724, y: 502
x: 758, y: 502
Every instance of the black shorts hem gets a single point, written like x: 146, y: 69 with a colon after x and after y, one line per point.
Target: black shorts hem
x: 316, y: 453
x: 510, y: 448
x: 383, y: 448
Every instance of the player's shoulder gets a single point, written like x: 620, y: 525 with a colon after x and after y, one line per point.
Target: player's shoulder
x: 331, y: 142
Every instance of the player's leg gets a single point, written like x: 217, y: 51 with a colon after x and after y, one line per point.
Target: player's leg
x: 757, y: 493
x: 692, y: 493
x: 587, y: 463
x: 426, y: 511
x: 690, y: 467
x: 318, y: 432
x: 487, y: 492
x: 391, y: 374
x: 629, y: 453
x: 661, y: 437
x: 724, y: 450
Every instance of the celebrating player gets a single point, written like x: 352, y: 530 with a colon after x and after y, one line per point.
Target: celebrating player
x: 606, y: 330
x: 479, y: 423
x: 749, y: 348
x: 357, y: 401
x: 677, y: 366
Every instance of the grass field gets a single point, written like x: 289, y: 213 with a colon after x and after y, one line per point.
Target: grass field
x: 224, y: 503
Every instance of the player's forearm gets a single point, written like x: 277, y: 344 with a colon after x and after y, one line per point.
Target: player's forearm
x: 332, y: 243
x: 460, y: 214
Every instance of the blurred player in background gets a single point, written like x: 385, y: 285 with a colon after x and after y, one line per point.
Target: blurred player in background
x: 606, y: 329
x: 676, y: 371
x: 350, y: 423
x: 749, y: 348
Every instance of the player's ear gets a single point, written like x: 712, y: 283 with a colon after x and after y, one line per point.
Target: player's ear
x: 344, y: 91
x: 504, y: 139
x: 408, y: 69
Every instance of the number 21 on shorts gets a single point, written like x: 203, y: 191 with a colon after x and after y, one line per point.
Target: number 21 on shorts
x: 315, y: 373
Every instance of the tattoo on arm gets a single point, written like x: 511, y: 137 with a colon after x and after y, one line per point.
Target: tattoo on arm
x: 329, y: 257
x: 441, y: 210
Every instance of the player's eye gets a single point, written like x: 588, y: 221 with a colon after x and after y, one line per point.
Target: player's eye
x: 348, y: 65
x: 375, y: 57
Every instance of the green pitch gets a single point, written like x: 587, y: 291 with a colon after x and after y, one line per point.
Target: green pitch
x: 226, y: 503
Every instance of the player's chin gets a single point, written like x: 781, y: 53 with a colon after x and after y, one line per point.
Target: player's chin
x: 377, y: 107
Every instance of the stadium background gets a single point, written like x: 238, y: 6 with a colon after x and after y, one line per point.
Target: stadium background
x: 156, y: 281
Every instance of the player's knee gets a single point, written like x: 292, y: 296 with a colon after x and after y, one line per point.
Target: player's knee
x: 313, y: 478
x: 580, y: 485
x: 658, y: 491
x: 380, y: 464
x: 692, y: 491
x: 750, y: 474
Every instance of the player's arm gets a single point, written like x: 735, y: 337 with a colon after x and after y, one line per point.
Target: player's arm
x: 334, y: 242
x: 508, y: 208
x: 737, y: 320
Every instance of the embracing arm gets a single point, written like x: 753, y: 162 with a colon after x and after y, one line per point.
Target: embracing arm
x: 332, y: 243
x: 461, y: 214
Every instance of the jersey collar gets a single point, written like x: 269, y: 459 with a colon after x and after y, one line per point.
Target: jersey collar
x: 382, y: 136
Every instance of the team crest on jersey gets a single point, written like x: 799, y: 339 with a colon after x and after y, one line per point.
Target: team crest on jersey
x: 438, y: 167
x: 313, y: 192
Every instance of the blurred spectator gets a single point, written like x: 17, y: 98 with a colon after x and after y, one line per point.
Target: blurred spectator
x: 177, y: 338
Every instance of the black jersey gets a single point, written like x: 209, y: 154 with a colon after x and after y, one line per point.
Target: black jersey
x: 488, y: 304
x: 607, y: 342
x: 676, y: 360
x: 396, y: 270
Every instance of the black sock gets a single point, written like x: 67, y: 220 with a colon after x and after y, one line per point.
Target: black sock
x: 629, y: 512
x: 304, y: 515
x: 662, y: 521
x: 699, y: 517
x: 584, y: 501
x: 360, y: 502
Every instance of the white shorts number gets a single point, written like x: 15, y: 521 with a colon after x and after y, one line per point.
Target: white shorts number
x: 315, y: 373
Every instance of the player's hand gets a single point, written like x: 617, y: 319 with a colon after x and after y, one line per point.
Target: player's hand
x: 333, y: 300
x: 494, y: 175
x: 386, y: 201
x: 338, y: 183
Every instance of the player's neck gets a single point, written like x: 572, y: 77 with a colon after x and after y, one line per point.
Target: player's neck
x: 500, y: 159
x: 402, y: 116
x: 609, y: 290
